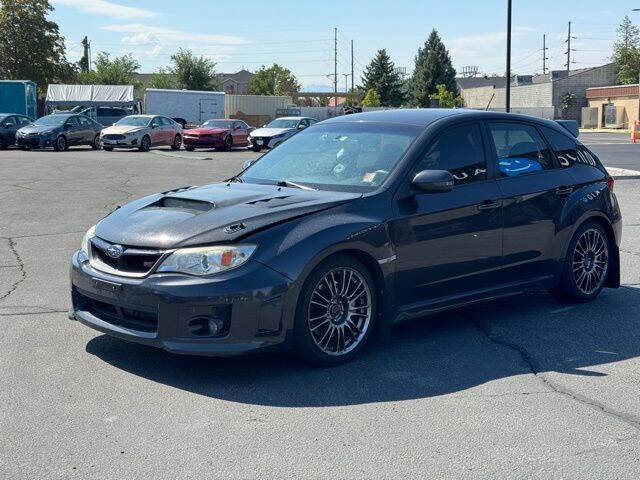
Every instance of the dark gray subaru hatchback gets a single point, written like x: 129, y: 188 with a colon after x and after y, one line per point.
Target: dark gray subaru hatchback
x: 354, y: 224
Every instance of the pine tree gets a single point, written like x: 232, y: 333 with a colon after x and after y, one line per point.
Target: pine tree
x: 626, y: 52
x: 380, y: 76
x: 433, y: 68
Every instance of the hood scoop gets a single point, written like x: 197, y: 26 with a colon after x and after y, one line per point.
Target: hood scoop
x: 186, y: 205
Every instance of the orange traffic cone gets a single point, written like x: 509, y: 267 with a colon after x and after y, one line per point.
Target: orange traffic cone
x: 634, y: 132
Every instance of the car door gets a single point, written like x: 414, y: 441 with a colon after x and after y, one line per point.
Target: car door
x: 534, y: 191
x: 157, y: 134
x: 73, y: 131
x: 239, y: 133
x: 449, y: 244
x: 8, y: 130
x: 169, y: 131
x: 87, y: 129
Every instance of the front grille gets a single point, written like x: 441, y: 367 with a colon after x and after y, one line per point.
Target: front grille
x: 28, y: 141
x: 111, y: 136
x: 134, y: 261
x: 140, y: 320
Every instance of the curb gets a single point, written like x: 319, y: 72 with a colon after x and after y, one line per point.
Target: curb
x: 623, y: 173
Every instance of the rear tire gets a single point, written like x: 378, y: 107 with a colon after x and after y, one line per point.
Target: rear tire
x: 336, y: 311
x: 586, y: 265
x: 60, y: 145
x: 177, y: 143
x: 3, y: 145
x: 145, y: 144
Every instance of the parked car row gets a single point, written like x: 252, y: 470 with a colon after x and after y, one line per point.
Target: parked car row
x: 143, y: 132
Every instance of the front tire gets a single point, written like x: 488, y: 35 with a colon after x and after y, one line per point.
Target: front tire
x: 3, y: 145
x: 177, y: 143
x: 96, y: 143
x: 256, y: 148
x: 108, y: 149
x: 335, y: 312
x: 228, y: 143
x: 586, y: 265
x: 145, y: 144
x: 60, y: 145
x: 189, y: 149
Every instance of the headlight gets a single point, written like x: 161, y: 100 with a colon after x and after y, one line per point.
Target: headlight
x: 207, y: 260
x: 86, y: 239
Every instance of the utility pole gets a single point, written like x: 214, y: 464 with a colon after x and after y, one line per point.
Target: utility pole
x: 352, y: 77
x: 544, y: 54
x: 335, y: 66
x: 86, y: 59
x: 346, y: 85
x: 569, y: 50
x: 508, y: 90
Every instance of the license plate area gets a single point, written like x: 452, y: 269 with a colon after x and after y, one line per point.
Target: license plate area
x: 105, y: 286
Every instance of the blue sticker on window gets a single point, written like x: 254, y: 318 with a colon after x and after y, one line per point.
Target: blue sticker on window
x: 514, y: 166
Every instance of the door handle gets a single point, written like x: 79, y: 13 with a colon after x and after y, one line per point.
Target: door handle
x: 564, y: 191
x: 489, y: 205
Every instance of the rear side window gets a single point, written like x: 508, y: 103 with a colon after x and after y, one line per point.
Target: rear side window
x: 459, y: 150
x: 72, y: 121
x: 566, y: 147
x: 520, y: 149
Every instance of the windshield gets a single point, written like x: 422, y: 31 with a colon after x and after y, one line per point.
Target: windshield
x: 281, y: 123
x: 51, y: 120
x: 339, y: 156
x: 217, y: 123
x: 133, y: 121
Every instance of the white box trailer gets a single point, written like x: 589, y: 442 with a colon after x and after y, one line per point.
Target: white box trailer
x: 184, y: 106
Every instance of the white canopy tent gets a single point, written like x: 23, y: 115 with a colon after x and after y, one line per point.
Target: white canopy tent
x: 89, y: 95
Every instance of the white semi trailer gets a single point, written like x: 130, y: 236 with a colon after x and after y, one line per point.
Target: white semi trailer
x: 184, y: 106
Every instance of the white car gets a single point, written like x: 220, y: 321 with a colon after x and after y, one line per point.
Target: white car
x: 278, y: 131
x: 142, y: 132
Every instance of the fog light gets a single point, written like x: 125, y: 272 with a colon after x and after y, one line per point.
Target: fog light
x: 215, y: 326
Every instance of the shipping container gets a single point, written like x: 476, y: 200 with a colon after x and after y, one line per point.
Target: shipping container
x: 19, y: 96
x: 185, y: 106
x: 256, y: 110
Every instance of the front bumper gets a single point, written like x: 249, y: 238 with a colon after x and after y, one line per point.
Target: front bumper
x: 120, y: 143
x: 263, y: 142
x: 159, y: 310
x: 202, y: 142
x: 34, y: 142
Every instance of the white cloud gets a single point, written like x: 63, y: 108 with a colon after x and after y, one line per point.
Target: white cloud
x: 474, y: 44
x: 108, y: 9
x: 140, y: 39
x: 168, y: 36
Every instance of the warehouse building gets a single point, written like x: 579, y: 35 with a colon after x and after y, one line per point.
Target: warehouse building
x: 556, y: 95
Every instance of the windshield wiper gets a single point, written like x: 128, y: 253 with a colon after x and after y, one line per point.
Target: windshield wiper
x: 288, y: 183
x: 234, y: 179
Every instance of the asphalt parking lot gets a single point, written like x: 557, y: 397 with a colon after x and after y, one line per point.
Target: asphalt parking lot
x: 614, y: 149
x: 525, y: 387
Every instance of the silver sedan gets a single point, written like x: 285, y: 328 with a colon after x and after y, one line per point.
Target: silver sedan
x: 142, y: 132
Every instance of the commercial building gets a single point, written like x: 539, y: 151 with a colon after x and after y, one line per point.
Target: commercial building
x: 611, y: 107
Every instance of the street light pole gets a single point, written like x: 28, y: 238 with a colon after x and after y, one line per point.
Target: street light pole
x: 508, y: 90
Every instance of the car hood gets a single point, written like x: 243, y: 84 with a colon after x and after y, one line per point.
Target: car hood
x: 206, y: 131
x: 121, y: 129
x: 40, y: 128
x: 270, y: 132
x: 211, y: 214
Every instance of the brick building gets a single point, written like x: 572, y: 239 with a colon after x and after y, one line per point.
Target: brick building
x: 612, y: 106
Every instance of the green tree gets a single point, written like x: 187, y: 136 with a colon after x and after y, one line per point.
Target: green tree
x: 433, y: 67
x: 380, y: 76
x: 275, y: 80
x: 119, y: 71
x: 31, y: 47
x: 372, y: 99
x: 626, y: 52
x: 163, y: 79
x: 191, y: 72
x: 446, y: 99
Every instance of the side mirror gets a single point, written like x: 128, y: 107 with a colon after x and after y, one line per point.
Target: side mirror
x: 301, y: 127
x: 433, y: 181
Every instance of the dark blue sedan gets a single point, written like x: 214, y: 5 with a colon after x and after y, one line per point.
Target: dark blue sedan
x: 60, y: 131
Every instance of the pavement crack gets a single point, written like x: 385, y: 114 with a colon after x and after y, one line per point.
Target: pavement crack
x: 21, y: 269
x: 534, y: 368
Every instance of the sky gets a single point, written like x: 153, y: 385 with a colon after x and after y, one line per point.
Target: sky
x: 300, y: 34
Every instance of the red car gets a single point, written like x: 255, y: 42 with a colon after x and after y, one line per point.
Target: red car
x: 221, y: 134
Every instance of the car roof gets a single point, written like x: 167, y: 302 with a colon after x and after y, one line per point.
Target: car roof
x: 294, y: 118
x: 426, y: 116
